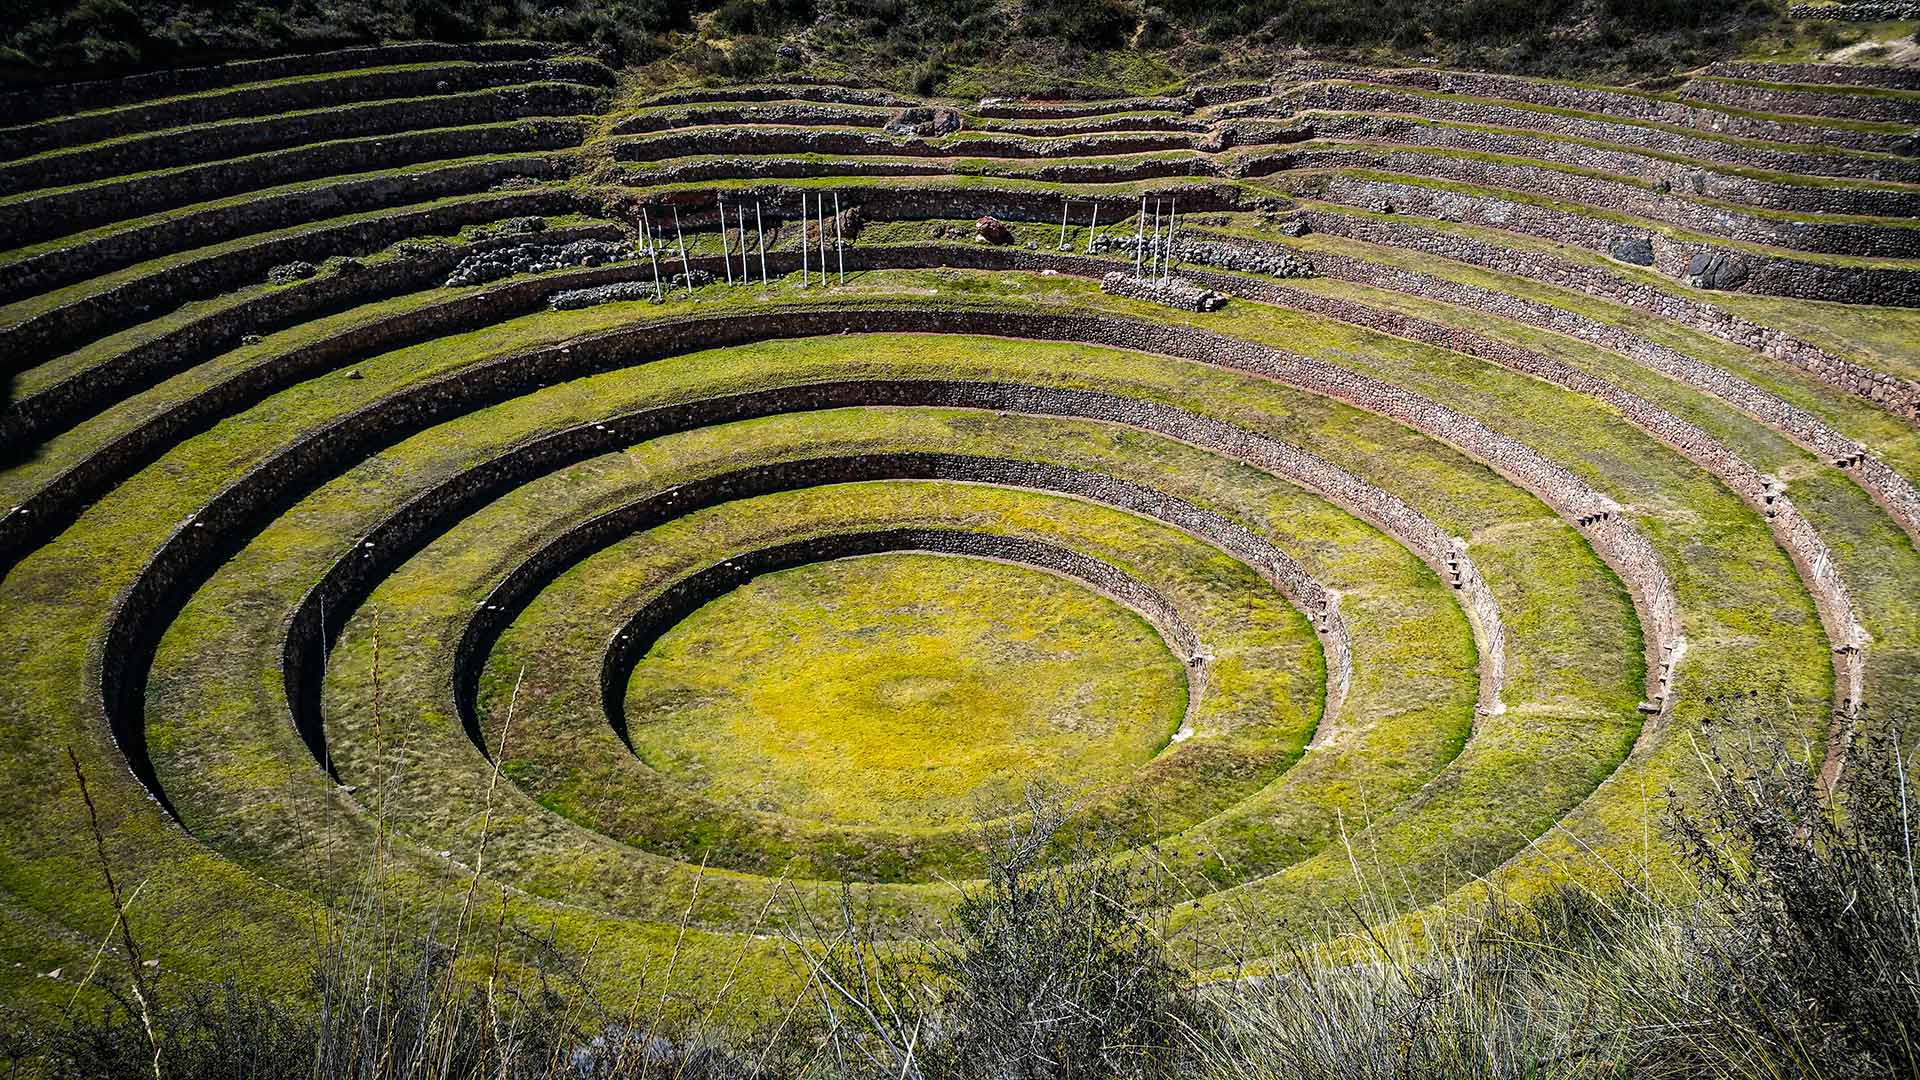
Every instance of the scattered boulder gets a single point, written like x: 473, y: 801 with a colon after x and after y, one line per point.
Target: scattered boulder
x: 288, y: 273
x: 1174, y: 292
x: 572, y: 299
x: 1268, y: 259
x: 1637, y: 250
x: 922, y: 121
x: 992, y: 230
x: 484, y: 266
x: 1715, y: 270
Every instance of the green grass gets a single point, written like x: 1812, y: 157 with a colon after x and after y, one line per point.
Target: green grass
x: 903, y: 689
x: 1403, y: 778
x: 358, y: 493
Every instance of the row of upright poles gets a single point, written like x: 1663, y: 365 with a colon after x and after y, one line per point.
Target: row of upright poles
x: 1152, y: 256
x: 1160, y: 268
x: 652, y: 239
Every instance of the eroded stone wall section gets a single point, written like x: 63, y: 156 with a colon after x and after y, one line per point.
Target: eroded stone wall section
x: 1351, y: 97
x: 42, y: 101
x: 57, y: 213
x: 1888, y: 240
x: 1687, y: 177
x: 171, y: 149
x: 1898, y: 396
x: 1646, y: 108
x: 1764, y: 274
x: 282, y: 97
x: 131, y: 302
x: 1890, y: 78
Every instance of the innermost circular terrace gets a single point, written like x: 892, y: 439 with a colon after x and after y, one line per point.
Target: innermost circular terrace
x: 903, y: 689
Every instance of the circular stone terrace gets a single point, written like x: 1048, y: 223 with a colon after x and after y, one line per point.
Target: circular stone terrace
x: 668, y: 505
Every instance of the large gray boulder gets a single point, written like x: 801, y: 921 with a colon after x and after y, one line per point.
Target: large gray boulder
x: 1715, y: 270
x: 1637, y: 250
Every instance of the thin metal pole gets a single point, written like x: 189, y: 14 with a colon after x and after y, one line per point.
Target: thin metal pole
x: 1093, y: 226
x: 1153, y: 264
x: 740, y: 212
x: 820, y: 209
x: 646, y: 229
x: 1140, y: 236
x: 726, y: 253
x: 760, y: 234
x: 1064, y: 206
x: 653, y: 253
x: 1166, y: 264
x: 686, y: 271
x: 839, y: 238
x: 803, y: 239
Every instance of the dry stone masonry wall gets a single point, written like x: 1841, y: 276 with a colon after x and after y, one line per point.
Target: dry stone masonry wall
x: 1899, y: 396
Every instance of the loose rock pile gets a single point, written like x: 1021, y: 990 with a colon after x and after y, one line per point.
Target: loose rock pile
x: 1244, y: 259
x: 288, y: 273
x: 571, y: 299
x: 1173, y: 292
x: 927, y: 123
x: 485, y: 266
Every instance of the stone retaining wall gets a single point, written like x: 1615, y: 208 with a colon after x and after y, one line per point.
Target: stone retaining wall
x: 1010, y: 109
x: 730, y: 141
x: 1684, y: 177
x: 234, y: 138
x: 103, y: 255
x: 1824, y: 237
x: 41, y: 101
x: 1776, y: 99
x: 142, y: 611
x: 785, y: 168
x: 1893, y: 492
x: 680, y: 599
x: 714, y: 114
x: 58, y: 213
x: 1631, y: 106
x: 1201, y: 97
x: 1899, y: 396
x: 917, y: 203
x: 129, y: 303
x: 826, y: 93
x: 1763, y: 494
x: 411, y: 527
x: 1767, y: 275
x: 1094, y: 125
x: 1346, y: 97
x: 1891, y: 78
x: 1857, y: 11
x: 262, y: 101
x: 88, y: 392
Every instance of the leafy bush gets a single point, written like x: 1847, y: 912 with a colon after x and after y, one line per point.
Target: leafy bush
x: 1051, y: 969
